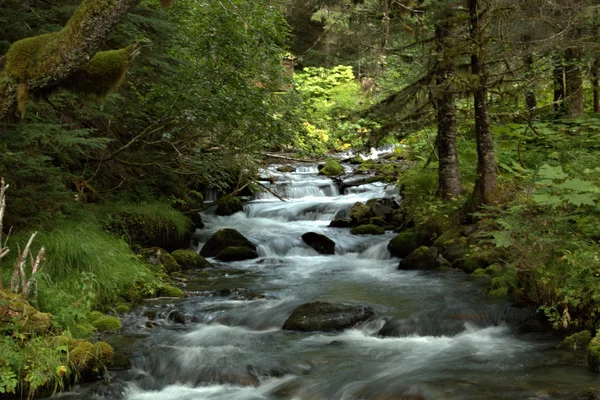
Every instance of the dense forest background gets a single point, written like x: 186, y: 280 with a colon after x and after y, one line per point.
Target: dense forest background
x: 494, y: 104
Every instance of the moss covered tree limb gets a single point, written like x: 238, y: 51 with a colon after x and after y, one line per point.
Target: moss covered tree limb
x: 44, y: 62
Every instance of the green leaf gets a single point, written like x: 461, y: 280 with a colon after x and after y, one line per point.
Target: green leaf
x: 502, y: 239
x: 548, y: 172
x: 577, y: 185
x: 545, y: 199
x: 580, y: 199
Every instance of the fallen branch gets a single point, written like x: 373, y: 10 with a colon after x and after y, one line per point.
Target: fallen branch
x: 269, y: 190
x: 289, y: 158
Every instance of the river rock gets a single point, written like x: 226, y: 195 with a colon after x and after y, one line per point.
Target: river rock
x: 286, y: 169
x: 328, y: 317
x: 223, y: 239
x: 190, y: 259
x: 197, y: 220
x: 367, y: 229
x: 237, y: 253
x: 422, y: 258
x: 176, y: 317
x: 340, y: 223
x: 405, y: 243
x: 321, y: 243
x: 229, y: 205
x: 359, y: 212
x: 383, y: 208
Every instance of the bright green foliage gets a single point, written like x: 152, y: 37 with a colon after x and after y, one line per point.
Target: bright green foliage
x: 107, y: 323
x: 556, y: 188
x: 171, y: 291
x: 329, y: 96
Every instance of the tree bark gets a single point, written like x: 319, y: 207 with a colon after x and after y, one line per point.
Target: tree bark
x: 485, y: 183
x: 43, y: 62
x: 530, y: 98
x: 449, y: 171
x: 573, y: 83
x: 558, y: 77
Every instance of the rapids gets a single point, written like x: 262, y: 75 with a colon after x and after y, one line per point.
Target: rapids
x: 445, y: 340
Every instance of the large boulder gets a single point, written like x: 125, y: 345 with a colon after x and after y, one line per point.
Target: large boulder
x: 593, y: 351
x: 328, y: 317
x: 340, y: 223
x: 229, y: 205
x: 223, y: 239
x: 422, y: 258
x: 237, y: 253
x: 190, y: 259
x: 405, y: 243
x: 321, y: 243
x: 14, y: 309
x: 360, y: 212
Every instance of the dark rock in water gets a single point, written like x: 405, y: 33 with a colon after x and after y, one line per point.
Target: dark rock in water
x: 223, y: 239
x: 340, y: 223
x: 190, y: 259
x: 237, y: 253
x: 197, y: 220
x: 286, y: 169
x: 405, y: 243
x: 358, y: 212
x: 383, y: 208
x: 328, y: 317
x: 176, y: 316
x: 229, y: 205
x: 368, y: 229
x: 321, y: 243
x: 422, y: 258
x: 343, y: 213
x: 454, y: 251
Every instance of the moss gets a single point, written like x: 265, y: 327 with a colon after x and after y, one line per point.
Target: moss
x: 468, y: 264
x: 122, y: 308
x: 237, y: 253
x: 367, y: 230
x: 190, y: 259
x: 286, y: 169
x: 102, y: 74
x: 359, y: 211
x: 229, y: 205
x: 107, y: 323
x: 593, y: 351
x: 88, y: 358
x: 82, y: 329
x: 448, y: 236
x: 169, y: 263
x: 170, y: 291
x: 377, y: 221
x: 94, y: 315
x: 332, y: 168
x: 423, y: 258
x: 404, y: 243
x: 494, y: 270
x: 20, y: 59
x: 480, y: 273
x: 577, y: 341
x: 15, y: 309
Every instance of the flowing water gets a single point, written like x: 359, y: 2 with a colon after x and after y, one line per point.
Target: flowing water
x: 445, y: 338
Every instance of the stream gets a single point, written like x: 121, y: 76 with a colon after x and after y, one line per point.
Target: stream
x: 448, y: 339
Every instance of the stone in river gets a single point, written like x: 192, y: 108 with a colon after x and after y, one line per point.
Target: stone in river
x: 328, y: 317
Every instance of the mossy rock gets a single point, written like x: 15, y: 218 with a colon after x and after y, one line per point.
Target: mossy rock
x: 122, y: 308
x: 332, y: 168
x: 15, y: 309
x: 405, y: 243
x: 593, y: 352
x: 89, y: 359
x: 468, y: 264
x: 447, y: 236
x: 494, y: 270
x: 223, y: 239
x: 577, y: 341
x: 480, y: 273
x: 170, y: 291
x: 367, y: 230
x: 107, y: 323
x: 340, y: 223
x: 286, y: 169
x: 82, y: 329
x: 359, y: 212
x: 190, y: 259
x: 169, y: 263
x: 423, y: 258
x: 229, y: 205
x: 237, y: 253
x: 455, y: 249
x: 94, y: 315
x: 378, y: 221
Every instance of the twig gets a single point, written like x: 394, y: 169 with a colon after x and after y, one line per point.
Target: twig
x: 270, y: 191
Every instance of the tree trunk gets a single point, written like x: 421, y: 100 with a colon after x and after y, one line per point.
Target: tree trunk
x: 558, y: 75
x: 530, y: 99
x: 595, y: 83
x: 573, y: 83
x: 42, y: 62
x: 485, y: 183
x: 449, y: 171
